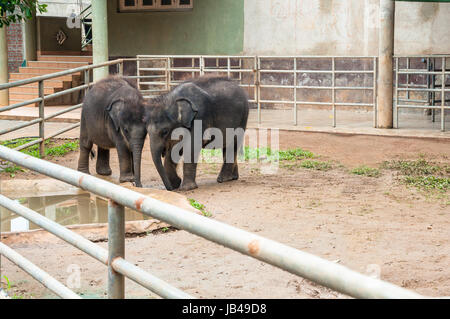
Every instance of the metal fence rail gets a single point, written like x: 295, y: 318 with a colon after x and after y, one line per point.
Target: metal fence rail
x: 251, y: 73
x: 42, y: 98
x: 434, y: 92
x: 297, y: 262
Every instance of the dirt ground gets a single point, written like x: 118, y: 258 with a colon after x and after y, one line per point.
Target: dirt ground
x: 371, y: 225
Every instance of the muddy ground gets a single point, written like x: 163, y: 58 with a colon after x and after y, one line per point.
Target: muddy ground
x: 371, y: 225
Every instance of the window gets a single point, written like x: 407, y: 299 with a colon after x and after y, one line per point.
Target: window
x: 154, y: 5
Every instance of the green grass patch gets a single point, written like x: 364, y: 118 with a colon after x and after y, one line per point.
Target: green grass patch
x: 422, y: 174
x: 316, y: 165
x: 428, y: 182
x: 415, y: 168
x: 51, y: 149
x: 200, y: 207
x: 366, y: 171
x: 295, y: 154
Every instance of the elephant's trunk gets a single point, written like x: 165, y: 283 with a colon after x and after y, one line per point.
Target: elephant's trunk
x: 156, y: 156
x: 137, y: 156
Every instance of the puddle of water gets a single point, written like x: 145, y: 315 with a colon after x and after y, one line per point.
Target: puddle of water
x: 63, y: 209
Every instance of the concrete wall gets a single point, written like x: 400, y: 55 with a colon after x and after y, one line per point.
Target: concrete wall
x: 212, y: 27
x: 341, y: 27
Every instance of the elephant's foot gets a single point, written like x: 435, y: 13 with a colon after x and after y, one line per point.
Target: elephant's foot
x: 106, y: 171
x: 187, y: 186
x: 175, y: 182
x: 222, y: 178
x: 126, y: 178
x: 235, y: 173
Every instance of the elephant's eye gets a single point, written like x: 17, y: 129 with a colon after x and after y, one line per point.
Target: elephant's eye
x: 164, y: 132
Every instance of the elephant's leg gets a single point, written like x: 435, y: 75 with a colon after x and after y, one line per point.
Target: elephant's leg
x: 171, y: 170
x: 237, y: 148
x: 85, y: 150
x: 102, y: 166
x: 229, y: 170
x: 125, y: 164
x: 189, y: 174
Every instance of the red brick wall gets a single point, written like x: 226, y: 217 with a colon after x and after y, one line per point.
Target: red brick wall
x: 15, y: 46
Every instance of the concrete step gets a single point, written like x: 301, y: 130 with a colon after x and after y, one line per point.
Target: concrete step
x: 22, y: 76
x: 23, y: 96
x: 15, y: 101
x: 39, y: 70
x: 52, y: 83
x: 55, y: 64
x: 65, y: 58
x: 30, y: 89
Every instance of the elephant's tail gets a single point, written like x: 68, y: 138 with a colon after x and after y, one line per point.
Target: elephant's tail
x: 92, y: 154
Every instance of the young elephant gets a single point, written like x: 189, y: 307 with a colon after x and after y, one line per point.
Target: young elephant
x: 112, y: 117
x: 214, y: 104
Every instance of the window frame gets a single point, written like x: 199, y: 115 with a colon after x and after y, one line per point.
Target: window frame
x: 157, y: 6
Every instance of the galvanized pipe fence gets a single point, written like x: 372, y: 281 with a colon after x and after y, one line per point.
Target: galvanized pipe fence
x: 267, y: 76
x: 251, y: 75
x: 431, y: 74
x: 316, y: 269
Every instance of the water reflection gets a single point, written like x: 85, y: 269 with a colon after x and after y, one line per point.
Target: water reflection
x: 63, y: 209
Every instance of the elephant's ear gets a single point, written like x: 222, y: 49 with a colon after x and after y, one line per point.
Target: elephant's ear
x: 114, y: 110
x: 183, y: 111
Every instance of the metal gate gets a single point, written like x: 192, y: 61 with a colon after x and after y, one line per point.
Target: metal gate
x: 273, y: 80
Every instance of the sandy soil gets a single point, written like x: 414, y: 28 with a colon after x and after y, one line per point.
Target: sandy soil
x: 368, y: 224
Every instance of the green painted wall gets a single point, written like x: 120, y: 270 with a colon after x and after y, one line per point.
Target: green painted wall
x: 212, y: 27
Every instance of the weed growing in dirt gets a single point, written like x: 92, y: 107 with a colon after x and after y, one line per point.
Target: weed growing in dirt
x: 429, y: 182
x: 200, y: 207
x: 51, y: 149
x: 316, y: 165
x: 414, y: 168
x: 422, y: 174
x: 8, y: 288
x: 366, y: 171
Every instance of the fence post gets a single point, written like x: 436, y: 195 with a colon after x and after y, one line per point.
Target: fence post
x: 397, y: 95
x: 86, y: 81
x: 333, y: 90
x: 374, y: 96
x: 295, y: 91
x: 444, y: 65
x: 116, y: 248
x: 41, y: 116
x: 120, y: 68
x: 258, y: 85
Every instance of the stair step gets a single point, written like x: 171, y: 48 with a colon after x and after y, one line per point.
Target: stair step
x: 23, y: 96
x: 47, y: 83
x: 22, y: 76
x: 14, y: 101
x: 55, y: 64
x: 66, y: 58
x: 30, y: 89
x: 39, y: 70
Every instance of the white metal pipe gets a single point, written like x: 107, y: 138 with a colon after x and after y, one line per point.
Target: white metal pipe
x: 37, y: 273
x: 149, y: 281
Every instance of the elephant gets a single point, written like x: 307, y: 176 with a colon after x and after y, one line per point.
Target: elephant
x: 213, y: 103
x: 112, y: 117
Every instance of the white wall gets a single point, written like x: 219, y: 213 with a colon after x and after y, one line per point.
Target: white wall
x: 61, y: 8
x: 341, y: 27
